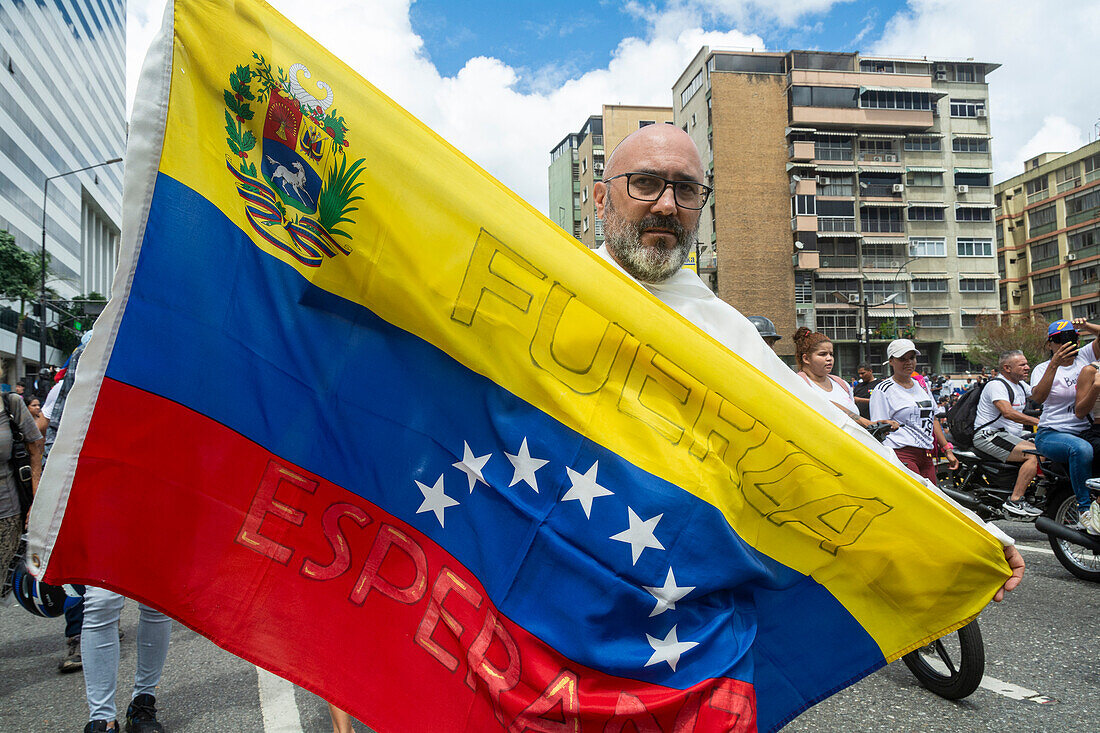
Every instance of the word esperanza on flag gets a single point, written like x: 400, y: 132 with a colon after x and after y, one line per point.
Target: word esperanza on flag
x: 359, y: 414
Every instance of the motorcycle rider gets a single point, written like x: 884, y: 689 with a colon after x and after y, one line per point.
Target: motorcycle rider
x: 998, y: 427
x: 766, y: 329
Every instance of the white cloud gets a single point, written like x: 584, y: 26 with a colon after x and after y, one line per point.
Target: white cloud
x: 1044, y: 95
x: 480, y: 109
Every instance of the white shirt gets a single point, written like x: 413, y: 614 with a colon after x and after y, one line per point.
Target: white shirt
x: 840, y: 394
x: 51, y: 400
x: 913, y: 407
x: 1058, y: 407
x: 686, y: 294
x: 989, y: 416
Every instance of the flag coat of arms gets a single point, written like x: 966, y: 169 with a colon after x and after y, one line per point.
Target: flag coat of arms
x: 359, y: 414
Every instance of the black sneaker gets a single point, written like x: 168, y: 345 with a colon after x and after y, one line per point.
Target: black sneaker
x: 1021, y: 508
x: 71, y: 662
x: 141, y: 716
x: 99, y: 725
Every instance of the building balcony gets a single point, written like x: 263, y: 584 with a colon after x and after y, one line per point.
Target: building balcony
x: 1044, y: 263
x: 1040, y: 298
x: 803, y: 223
x: 909, y: 119
x: 882, y: 227
x: 802, y: 150
x: 839, y: 262
x: 835, y: 224
x: 814, y: 77
x: 1084, y: 288
x: 807, y: 260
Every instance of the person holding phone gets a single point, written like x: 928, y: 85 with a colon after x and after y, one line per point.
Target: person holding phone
x: 1062, y: 434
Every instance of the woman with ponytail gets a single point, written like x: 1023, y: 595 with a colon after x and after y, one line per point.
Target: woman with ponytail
x: 814, y: 353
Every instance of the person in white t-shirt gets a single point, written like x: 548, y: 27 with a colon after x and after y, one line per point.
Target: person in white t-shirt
x: 1062, y: 433
x: 813, y: 352
x: 906, y: 401
x: 999, y: 426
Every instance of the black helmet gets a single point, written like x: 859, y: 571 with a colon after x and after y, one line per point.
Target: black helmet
x: 764, y: 326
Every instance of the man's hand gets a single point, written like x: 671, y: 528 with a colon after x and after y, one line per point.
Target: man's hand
x: 1064, y: 356
x: 952, y: 461
x: 1016, y: 562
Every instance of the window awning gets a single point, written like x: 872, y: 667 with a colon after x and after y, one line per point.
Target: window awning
x: 885, y: 240
x: 925, y: 134
x: 881, y: 169
x: 929, y: 275
x: 956, y: 348
x: 974, y: 170
x: 883, y: 203
x: 912, y: 90
x: 964, y: 205
x: 834, y: 133
x: 889, y: 311
x: 973, y: 136
x: 789, y: 130
x: 980, y: 312
x: 933, y: 311
x: 826, y: 235
x: 837, y: 169
x: 791, y: 166
x: 928, y: 204
x: 887, y: 276
x: 924, y: 169
x: 880, y: 136
x: 979, y: 276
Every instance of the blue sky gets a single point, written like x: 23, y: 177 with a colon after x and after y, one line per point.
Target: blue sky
x: 506, y: 81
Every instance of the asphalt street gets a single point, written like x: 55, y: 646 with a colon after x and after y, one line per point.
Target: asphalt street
x: 1041, y: 674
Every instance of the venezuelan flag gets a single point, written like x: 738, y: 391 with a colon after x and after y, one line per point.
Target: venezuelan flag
x: 360, y: 415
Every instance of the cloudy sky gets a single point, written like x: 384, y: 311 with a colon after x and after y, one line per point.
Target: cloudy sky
x: 506, y: 81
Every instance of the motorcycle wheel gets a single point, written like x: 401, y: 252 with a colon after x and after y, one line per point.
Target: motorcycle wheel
x: 1082, y: 562
x: 952, y: 667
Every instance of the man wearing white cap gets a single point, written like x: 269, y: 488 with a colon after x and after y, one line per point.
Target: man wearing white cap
x: 911, y: 405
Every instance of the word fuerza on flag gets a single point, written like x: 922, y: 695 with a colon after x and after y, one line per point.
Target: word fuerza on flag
x: 361, y: 416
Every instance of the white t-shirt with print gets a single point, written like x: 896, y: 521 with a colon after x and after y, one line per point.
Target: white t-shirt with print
x: 1058, y: 407
x: 840, y: 394
x: 912, y: 407
x: 996, y: 390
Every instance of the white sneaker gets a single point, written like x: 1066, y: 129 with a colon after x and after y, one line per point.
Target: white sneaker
x: 1090, y: 520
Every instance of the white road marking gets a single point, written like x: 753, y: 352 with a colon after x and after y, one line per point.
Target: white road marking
x: 277, y: 704
x: 1007, y: 689
x: 1032, y: 548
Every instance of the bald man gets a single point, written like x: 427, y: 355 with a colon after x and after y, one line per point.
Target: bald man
x: 650, y: 200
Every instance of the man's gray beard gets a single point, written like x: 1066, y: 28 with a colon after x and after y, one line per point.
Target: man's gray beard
x: 646, y: 264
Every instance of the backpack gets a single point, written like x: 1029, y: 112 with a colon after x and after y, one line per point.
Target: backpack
x: 960, y: 418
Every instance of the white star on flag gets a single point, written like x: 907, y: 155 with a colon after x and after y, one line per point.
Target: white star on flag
x: 639, y: 535
x: 585, y: 488
x: 525, y: 467
x: 472, y: 466
x: 434, y: 499
x: 667, y: 594
x: 668, y: 649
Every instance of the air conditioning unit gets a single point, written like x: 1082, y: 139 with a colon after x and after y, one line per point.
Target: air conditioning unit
x: 941, y: 76
x: 877, y: 158
x: 941, y: 67
x: 1071, y: 258
x: 898, y: 188
x: 980, y: 112
x: 962, y: 188
x: 891, y: 158
x: 1015, y: 293
x: 1011, y: 228
x: 853, y: 298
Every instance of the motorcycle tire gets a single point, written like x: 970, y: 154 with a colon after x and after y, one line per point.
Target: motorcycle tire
x: 1082, y: 562
x: 951, y: 667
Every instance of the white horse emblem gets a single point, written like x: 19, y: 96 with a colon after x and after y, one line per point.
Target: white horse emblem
x: 295, y: 181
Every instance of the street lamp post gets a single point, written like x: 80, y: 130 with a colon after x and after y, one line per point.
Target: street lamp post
x: 896, y: 276
x: 42, y: 291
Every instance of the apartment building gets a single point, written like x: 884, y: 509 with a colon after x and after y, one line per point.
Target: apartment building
x: 853, y: 195
x: 577, y: 162
x: 1048, y: 236
x: 62, y: 108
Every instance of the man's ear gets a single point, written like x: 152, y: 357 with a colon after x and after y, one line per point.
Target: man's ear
x: 599, y: 195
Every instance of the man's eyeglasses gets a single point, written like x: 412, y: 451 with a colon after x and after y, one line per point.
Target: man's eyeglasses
x: 648, y: 187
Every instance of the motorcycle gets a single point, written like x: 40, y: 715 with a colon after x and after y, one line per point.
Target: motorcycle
x: 1078, y: 551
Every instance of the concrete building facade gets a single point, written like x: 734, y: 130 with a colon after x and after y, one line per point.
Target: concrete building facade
x: 852, y: 195
x: 1048, y: 236
x: 62, y: 107
x: 577, y: 162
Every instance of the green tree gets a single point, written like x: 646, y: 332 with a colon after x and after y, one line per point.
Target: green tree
x: 20, y: 280
x: 992, y: 338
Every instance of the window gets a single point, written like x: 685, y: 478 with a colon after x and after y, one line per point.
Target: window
x: 970, y: 145
x: 1046, y: 250
x: 837, y: 324
x: 803, y: 206
x: 1089, y: 310
x: 879, y: 219
x: 840, y: 253
x: 878, y: 290
x: 841, y: 185
x: 827, y: 287
x: 919, y: 178
x: 896, y: 100
x: 974, y: 285
x: 968, y: 108
x: 876, y: 67
x: 748, y: 63
x: 972, y: 247
x: 965, y: 73
x: 970, y: 213
x: 875, y: 147
x: 824, y: 96
x: 1082, y: 206
x: 645, y: 123
x: 584, y: 164
x: 584, y: 195
x: 693, y: 87
x: 1036, y: 185
x: 933, y: 321
x: 1067, y: 178
x: 1084, y: 239
x: 599, y: 227
x: 1092, y: 164
x: 923, y: 285
x: 927, y: 247
x: 975, y: 180
x: 925, y: 213
x: 803, y: 288
x: 969, y: 320
x: 1041, y: 220
x: 1047, y: 284
x: 586, y: 222
x: 1084, y: 275
x: 922, y: 145
x: 833, y: 148
x: 576, y: 201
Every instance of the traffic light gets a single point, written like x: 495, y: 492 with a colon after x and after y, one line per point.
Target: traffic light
x: 78, y: 326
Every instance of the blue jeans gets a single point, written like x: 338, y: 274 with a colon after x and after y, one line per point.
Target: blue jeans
x: 99, y: 649
x: 1075, y: 452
